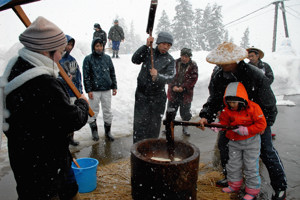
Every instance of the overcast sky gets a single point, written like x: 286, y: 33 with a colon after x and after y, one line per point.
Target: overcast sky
x: 76, y: 18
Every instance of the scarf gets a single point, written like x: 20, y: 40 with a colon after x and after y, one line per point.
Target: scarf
x: 43, y: 65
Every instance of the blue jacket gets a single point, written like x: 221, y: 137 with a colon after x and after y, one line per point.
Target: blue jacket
x: 98, y: 72
x: 71, y: 67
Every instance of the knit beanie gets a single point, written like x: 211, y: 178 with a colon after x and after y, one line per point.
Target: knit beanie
x: 164, y: 37
x: 186, y: 52
x: 43, y: 35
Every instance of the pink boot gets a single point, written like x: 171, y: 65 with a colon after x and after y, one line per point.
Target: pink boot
x: 233, y: 186
x: 251, y: 193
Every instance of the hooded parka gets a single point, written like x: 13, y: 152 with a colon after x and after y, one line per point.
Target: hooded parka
x: 98, y: 71
x: 251, y: 116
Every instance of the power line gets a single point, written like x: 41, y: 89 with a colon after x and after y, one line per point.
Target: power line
x: 239, y: 18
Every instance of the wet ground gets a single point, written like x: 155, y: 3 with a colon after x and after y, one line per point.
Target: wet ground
x: 287, y: 143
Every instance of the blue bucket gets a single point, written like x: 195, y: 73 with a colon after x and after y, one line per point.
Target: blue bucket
x: 86, y: 175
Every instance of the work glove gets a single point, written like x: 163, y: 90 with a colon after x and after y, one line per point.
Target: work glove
x: 241, y: 130
x: 215, y: 129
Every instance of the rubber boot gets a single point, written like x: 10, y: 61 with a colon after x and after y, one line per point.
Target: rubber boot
x: 222, y: 183
x: 185, y: 131
x: 107, y: 132
x: 114, y: 54
x: 117, y: 54
x: 233, y: 186
x: 94, y: 130
x: 279, y: 195
x: 72, y: 141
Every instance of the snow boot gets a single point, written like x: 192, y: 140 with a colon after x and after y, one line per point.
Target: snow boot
x: 114, y: 54
x: 185, y: 131
x: 251, y: 193
x: 233, y: 187
x: 72, y: 141
x: 94, y: 130
x: 222, y: 183
x: 117, y: 54
x: 108, y: 135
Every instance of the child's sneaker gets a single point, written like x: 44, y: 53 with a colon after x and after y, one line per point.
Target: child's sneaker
x: 229, y: 189
x: 249, y: 197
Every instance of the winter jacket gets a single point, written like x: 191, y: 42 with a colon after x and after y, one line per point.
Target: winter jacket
x: 100, y: 34
x: 41, y: 117
x: 266, y: 69
x: 189, y: 81
x: 256, y: 84
x: 71, y: 67
x: 163, y: 63
x: 116, y: 33
x: 98, y: 72
x: 251, y: 116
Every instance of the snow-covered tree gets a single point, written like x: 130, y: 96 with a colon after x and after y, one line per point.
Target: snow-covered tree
x: 226, y: 36
x: 163, y: 24
x: 183, y: 25
x: 245, y: 39
x: 215, y: 31
x: 199, y: 29
x: 133, y: 41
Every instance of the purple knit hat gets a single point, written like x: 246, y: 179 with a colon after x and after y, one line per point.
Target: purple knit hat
x: 43, y: 35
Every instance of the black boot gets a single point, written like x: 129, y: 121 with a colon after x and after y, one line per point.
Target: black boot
x: 72, y: 141
x: 107, y: 132
x: 114, y: 54
x: 117, y: 54
x: 94, y: 130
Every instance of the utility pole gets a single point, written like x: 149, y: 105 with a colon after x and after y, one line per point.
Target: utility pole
x: 276, y: 3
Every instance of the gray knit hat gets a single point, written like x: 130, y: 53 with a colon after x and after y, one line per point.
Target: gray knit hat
x: 43, y: 35
x: 164, y: 37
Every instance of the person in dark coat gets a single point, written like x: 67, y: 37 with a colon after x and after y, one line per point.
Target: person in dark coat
x: 41, y: 116
x: 181, y: 89
x: 70, y: 65
x: 231, y: 68
x: 100, y: 83
x: 150, y: 95
x: 255, y: 55
x: 116, y: 35
x: 100, y: 33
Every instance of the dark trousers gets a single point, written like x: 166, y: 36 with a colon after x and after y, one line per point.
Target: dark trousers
x: 184, y: 111
x: 115, y: 45
x: 269, y: 156
x: 148, y: 112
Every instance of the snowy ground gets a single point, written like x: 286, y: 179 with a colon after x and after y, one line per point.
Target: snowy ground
x: 285, y: 65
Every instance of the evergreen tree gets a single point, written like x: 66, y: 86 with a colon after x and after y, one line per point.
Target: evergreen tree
x: 133, y: 41
x: 245, y: 39
x: 226, y: 36
x: 183, y: 25
x: 215, y: 34
x: 204, y: 24
x: 199, y: 29
x: 164, y: 23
